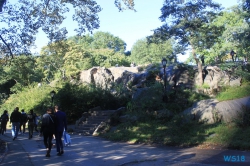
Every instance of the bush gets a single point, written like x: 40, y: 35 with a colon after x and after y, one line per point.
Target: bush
x: 31, y: 97
x: 77, y: 99
x: 73, y: 99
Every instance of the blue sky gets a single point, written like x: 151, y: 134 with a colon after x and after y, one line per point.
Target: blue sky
x: 130, y: 26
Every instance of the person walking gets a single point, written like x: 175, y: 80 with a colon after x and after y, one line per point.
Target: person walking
x: 36, y: 122
x: 61, y: 125
x: 15, y: 119
x: 47, y: 130
x: 4, y: 120
x: 232, y: 53
x: 31, y: 123
x: 24, y: 119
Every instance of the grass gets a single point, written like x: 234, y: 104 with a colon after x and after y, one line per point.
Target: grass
x: 183, y: 135
x: 230, y: 136
x: 234, y: 92
x: 183, y: 132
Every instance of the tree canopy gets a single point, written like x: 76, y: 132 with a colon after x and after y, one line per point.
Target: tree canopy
x: 22, y: 19
x: 143, y: 52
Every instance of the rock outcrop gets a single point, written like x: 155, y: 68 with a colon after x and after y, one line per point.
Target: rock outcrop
x: 211, y: 111
x: 177, y: 75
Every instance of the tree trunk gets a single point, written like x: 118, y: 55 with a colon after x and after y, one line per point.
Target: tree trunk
x: 199, y: 65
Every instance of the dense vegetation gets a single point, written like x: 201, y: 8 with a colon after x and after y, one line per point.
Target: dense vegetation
x: 202, y: 25
x: 169, y: 127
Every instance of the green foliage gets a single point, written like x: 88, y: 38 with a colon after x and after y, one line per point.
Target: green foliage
x: 23, y: 70
x: 108, y: 58
x: 77, y: 99
x: 228, y: 136
x: 30, y: 97
x: 67, y: 58
x: 155, y: 131
x: 73, y: 99
x: 234, y: 92
x: 160, y: 132
x: 25, y: 18
x: 147, y: 53
x: 188, y: 23
x: 104, y: 40
x: 150, y: 99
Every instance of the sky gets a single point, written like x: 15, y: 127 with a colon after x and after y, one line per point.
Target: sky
x: 128, y: 25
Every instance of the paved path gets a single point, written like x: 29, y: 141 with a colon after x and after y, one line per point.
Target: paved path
x: 94, y: 151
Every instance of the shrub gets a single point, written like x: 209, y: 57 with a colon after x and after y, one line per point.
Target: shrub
x: 77, y: 99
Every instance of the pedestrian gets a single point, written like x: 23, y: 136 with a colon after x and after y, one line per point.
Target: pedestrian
x: 61, y: 125
x: 48, y: 129
x: 36, y: 122
x: 23, y: 121
x: 15, y: 119
x: 202, y: 59
x: 7, y: 122
x: 232, y: 53
x: 31, y: 123
x: 4, y: 120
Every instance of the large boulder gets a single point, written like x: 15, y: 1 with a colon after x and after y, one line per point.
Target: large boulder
x: 100, y: 76
x: 202, y: 111
x: 216, y: 78
x: 117, y: 72
x: 212, y: 111
x: 104, y: 77
x: 231, y: 109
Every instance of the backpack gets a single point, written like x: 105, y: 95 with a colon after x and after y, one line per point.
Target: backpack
x: 4, y: 118
x: 24, y: 118
x: 31, y: 118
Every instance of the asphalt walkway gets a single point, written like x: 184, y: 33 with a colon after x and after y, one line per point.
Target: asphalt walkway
x: 95, y: 151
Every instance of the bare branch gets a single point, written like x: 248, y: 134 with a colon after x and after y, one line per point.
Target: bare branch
x: 7, y: 46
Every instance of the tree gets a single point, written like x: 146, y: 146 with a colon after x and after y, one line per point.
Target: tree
x: 233, y: 36
x: 51, y: 61
x: 23, y: 70
x: 85, y: 41
x: 103, y: 40
x: 143, y: 52
x: 185, y: 22
x: 21, y: 20
x: 128, y: 3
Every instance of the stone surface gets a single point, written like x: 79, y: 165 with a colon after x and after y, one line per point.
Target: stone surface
x: 177, y: 75
x: 212, y: 110
x: 202, y: 110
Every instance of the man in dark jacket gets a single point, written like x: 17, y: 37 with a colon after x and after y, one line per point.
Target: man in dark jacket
x: 61, y: 125
x: 48, y: 129
x: 4, y: 120
x: 15, y: 119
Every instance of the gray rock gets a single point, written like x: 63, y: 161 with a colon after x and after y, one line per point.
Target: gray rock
x: 202, y: 110
x: 212, y: 110
x: 231, y: 109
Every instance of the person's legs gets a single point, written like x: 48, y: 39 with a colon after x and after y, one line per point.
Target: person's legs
x: 17, y: 129
x: 36, y: 128
x: 45, y: 139
x: 5, y: 127
x: 46, y: 143
x: 32, y: 129
x: 50, y: 141
x: 2, y: 128
x: 13, y: 126
x: 29, y: 128
x: 23, y: 127
x: 59, y: 144
x: 20, y: 128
